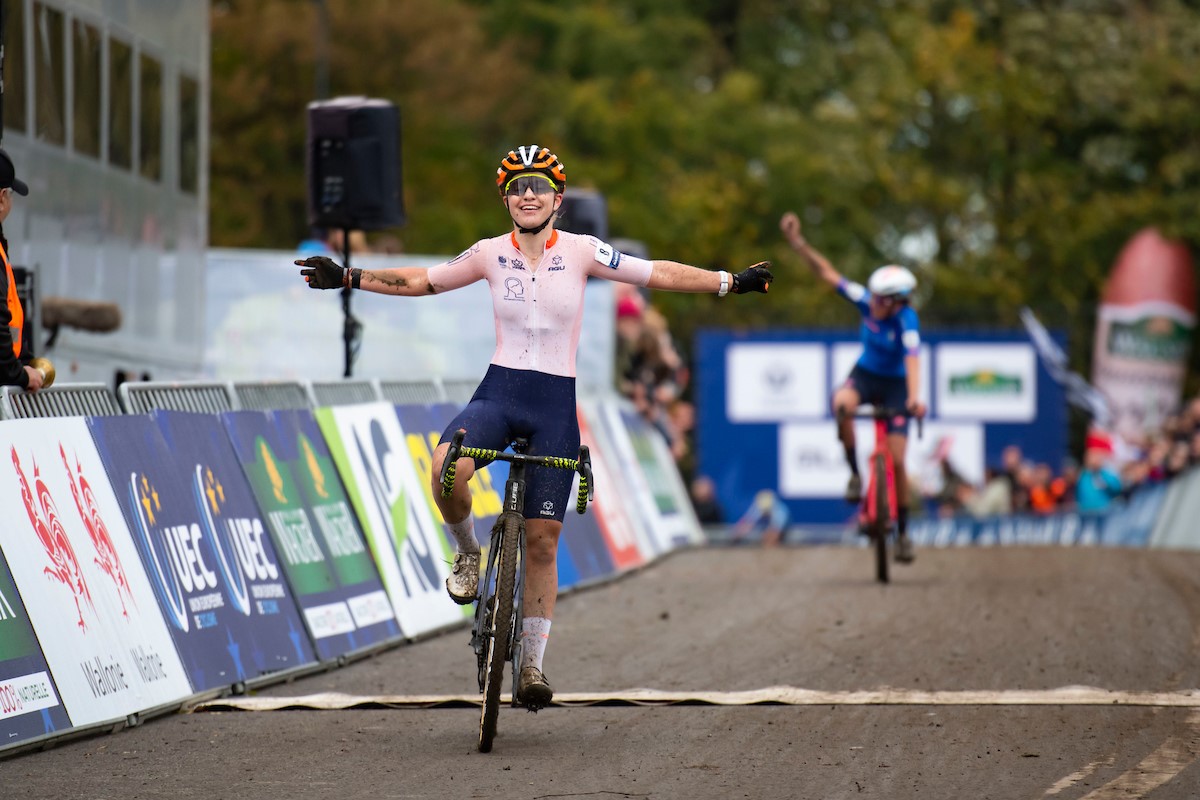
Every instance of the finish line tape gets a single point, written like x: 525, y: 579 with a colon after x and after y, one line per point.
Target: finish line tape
x: 775, y: 695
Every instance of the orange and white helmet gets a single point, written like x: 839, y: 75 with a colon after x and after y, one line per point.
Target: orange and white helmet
x: 892, y: 281
x: 525, y: 160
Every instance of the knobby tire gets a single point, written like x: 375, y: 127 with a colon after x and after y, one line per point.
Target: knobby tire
x: 501, y: 630
x: 882, y: 522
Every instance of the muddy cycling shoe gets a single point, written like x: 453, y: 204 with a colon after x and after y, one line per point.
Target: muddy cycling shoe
x: 533, y: 690
x: 904, y: 550
x: 854, y: 489
x: 463, y: 583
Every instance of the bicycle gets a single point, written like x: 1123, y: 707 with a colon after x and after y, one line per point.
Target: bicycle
x: 876, y: 513
x: 495, y: 636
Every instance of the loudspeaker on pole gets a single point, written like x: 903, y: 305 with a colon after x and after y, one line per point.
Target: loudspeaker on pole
x: 353, y: 164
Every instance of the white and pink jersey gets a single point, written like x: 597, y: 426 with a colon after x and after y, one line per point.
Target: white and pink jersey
x: 539, y: 312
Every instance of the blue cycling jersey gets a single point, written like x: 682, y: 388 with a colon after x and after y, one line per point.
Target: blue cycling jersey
x: 885, y: 341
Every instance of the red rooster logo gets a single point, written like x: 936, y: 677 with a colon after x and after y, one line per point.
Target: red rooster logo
x: 64, y: 566
x: 107, y: 558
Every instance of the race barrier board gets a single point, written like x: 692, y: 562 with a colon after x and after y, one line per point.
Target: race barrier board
x: 322, y: 549
x: 80, y: 577
x: 155, y: 559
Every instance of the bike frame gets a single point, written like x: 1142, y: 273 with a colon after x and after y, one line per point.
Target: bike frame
x: 495, y: 634
x: 869, y: 516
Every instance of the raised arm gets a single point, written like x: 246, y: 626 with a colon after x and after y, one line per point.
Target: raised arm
x: 790, y: 225
x: 672, y: 276
x: 324, y: 273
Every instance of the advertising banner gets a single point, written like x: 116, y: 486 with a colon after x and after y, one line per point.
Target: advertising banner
x: 29, y: 703
x: 232, y: 525
x: 77, y: 570
x: 371, y: 453
x: 769, y: 381
x: 1144, y: 332
x: 177, y: 551
x: 990, y: 381
x: 657, y: 496
x: 617, y: 523
x: 315, y: 532
x: 981, y: 381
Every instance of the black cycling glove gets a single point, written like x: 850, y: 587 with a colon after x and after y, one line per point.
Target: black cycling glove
x: 753, y: 279
x: 322, y: 273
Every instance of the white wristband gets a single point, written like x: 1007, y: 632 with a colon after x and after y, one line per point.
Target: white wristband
x: 724, y: 290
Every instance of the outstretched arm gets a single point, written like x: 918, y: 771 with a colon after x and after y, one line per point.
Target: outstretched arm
x: 790, y: 225
x: 324, y: 273
x: 672, y: 276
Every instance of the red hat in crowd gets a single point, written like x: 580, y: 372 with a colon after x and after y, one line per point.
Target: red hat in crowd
x: 628, y: 307
x: 1099, y: 440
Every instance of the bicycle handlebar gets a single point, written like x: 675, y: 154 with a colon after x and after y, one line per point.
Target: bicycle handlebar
x: 581, y: 465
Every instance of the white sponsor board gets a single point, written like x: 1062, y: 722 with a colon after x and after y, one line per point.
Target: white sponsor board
x: 993, y: 382
x: 78, y: 571
x: 812, y: 462
x: 766, y: 382
x: 370, y: 450
x: 658, y: 494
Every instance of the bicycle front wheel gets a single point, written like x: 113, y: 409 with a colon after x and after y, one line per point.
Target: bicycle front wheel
x: 499, y: 637
x: 882, y: 522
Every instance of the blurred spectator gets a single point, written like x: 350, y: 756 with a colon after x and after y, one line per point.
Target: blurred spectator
x: 1046, y: 492
x: 330, y: 242
x: 995, y: 497
x: 767, y: 515
x: 650, y: 371
x: 1098, y: 484
x: 704, y: 501
x: 1018, y: 472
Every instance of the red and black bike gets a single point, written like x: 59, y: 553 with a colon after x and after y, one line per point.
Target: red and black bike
x: 877, y: 510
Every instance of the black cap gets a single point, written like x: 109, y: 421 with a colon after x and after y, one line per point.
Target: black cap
x: 8, y: 176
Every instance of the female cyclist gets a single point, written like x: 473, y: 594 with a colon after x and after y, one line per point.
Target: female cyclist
x: 537, y: 276
x: 888, y: 371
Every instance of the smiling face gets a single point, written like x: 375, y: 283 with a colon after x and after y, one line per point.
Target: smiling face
x: 530, y: 199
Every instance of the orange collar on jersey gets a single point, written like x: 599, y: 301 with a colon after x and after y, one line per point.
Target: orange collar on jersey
x: 549, y: 242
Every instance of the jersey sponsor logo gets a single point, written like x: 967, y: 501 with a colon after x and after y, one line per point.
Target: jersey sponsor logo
x: 502, y: 261
x: 607, y: 255
x: 469, y: 251
x: 556, y: 264
x: 518, y: 264
x: 547, y: 508
x: 514, y: 289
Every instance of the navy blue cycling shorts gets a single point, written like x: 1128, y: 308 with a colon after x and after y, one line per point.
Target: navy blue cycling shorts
x: 534, y: 405
x: 881, y: 390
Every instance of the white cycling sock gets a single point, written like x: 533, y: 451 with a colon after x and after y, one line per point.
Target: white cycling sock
x: 464, y: 534
x: 534, y: 633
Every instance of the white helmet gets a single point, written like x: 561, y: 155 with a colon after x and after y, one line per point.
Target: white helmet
x: 892, y: 281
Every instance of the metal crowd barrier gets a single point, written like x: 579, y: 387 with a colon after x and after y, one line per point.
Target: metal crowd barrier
x: 214, y: 397
x: 343, y: 393
x: 271, y: 396
x: 412, y: 392
x: 205, y: 397
x: 66, y: 400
